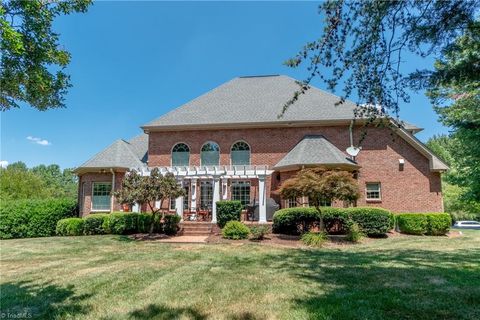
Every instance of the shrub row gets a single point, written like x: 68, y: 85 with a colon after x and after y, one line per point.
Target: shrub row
x: 33, y: 218
x: 372, y: 221
x: 424, y: 223
x: 116, y: 223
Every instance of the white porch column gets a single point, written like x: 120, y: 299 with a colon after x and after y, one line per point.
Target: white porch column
x: 179, y: 203
x: 262, y: 203
x: 136, y: 208
x: 216, y: 197
x: 193, y: 195
x: 224, y: 189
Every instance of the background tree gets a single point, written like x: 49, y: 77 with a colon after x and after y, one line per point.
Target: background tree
x: 17, y: 181
x: 32, y: 60
x: 146, y: 190
x: 318, y: 185
x: 363, y: 46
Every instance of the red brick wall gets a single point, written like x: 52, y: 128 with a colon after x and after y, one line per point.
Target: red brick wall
x: 413, y: 189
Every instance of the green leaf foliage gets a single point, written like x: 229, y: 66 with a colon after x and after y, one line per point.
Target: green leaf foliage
x: 95, y: 223
x: 33, y: 218
x: 170, y: 224
x: 314, y: 239
x: 424, y: 223
x: 121, y: 223
x: 32, y: 59
x: 235, y: 230
x: 228, y: 210
x: 259, y: 232
x: 70, y: 227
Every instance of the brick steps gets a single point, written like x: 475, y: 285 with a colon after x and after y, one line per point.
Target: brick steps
x: 196, y: 228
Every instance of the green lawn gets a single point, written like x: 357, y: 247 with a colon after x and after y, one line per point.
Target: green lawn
x: 110, y: 277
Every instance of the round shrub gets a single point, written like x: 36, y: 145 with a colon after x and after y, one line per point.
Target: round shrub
x: 170, y: 224
x: 295, y: 220
x: 33, y: 218
x: 438, y: 223
x: 235, y: 230
x: 93, y: 223
x: 372, y: 221
x: 228, y: 210
x: 314, y: 239
x: 412, y: 223
x: 70, y: 227
x: 259, y: 232
x: 120, y: 223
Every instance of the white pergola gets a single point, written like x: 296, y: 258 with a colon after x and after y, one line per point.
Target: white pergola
x: 219, y: 175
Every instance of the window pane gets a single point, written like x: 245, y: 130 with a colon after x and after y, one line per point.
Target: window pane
x: 373, y: 191
x: 240, y: 158
x: 241, y: 192
x: 210, y: 158
x: 291, y: 203
x: 206, y: 195
x: 180, y: 158
x: 101, y: 199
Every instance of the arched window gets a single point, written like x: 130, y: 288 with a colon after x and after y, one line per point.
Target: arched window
x: 210, y: 154
x: 180, y: 155
x: 240, y: 153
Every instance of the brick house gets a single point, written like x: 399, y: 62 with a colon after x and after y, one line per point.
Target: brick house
x: 230, y: 144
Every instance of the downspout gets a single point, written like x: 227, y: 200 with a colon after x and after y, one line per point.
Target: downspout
x: 350, y: 129
x: 113, y: 189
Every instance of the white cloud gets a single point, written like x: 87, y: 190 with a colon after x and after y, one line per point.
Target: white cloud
x: 3, y: 164
x: 39, y: 141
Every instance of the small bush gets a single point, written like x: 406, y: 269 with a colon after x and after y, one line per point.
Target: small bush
x: 121, y: 223
x: 354, y: 234
x: 235, y: 230
x: 314, y: 239
x: 372, y: 221
x: 93, y: 223
x: 335, y: 220
x: 412, y: 223
x: 144, y: 221
x: 170, y: 224
x: 33, y: 218
x: 228, y: 210
x: 70, y: 227
x: 295, y: 220
x: 438, y: 223
x: 259, y: 232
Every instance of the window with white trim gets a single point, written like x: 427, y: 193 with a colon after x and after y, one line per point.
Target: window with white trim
x: 173, y: 201
x: 210, y: 154
x: 180, y: 155
x: 101, y: 196
x: 240, y: 154
x: 373, y: 191
x: 291, y: 203
x: 241, y: 192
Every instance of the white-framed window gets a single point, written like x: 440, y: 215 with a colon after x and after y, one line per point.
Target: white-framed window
x: 240, y: 154
x: 373, y: 191
x: 323, y: 203
x: 291, y: 203
x: 180, y: 155
x: 101, y: 196
x: 206, y: 195
x: 172, y: 203
x: 210, y: 154
x: 241, y: 192
x: 186, y: 202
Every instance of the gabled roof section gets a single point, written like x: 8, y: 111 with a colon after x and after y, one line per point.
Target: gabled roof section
x: 315, y: 150
x: 255, y: 100
x: 119, y: 155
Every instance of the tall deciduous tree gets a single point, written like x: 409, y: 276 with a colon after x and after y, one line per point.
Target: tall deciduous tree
x: 146, y: 190
x: 32, y: 59
x: 364, y: 43
x: 319, y: 184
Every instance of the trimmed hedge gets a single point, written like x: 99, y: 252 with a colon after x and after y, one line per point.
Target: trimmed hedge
x: 33, y: 218
x: 228, y: 210
x: 94, y: 223
x: 170, y: 224
x: 372, y: 221
x: 424, y: 223
x: 121, y: 223
x: 70, y: 227
x: 235, y: 230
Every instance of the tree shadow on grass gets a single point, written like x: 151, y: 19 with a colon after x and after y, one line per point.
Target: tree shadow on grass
x: 162, y: 312
x: 402, y: 284
x: 29, y: 300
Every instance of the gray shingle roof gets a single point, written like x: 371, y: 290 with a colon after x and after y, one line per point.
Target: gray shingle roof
x: 121, y: 154
x: 256, y: 100
x: 314, y: 150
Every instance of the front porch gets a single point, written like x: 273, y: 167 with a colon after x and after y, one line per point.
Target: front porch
x: 204, y: 186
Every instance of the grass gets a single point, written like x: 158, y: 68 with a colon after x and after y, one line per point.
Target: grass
x: 111, y: 277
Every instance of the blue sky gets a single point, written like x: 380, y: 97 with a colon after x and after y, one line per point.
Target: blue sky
x: 134, y: 61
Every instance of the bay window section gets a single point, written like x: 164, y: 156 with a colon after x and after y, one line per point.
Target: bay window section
x: 101, y: 196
